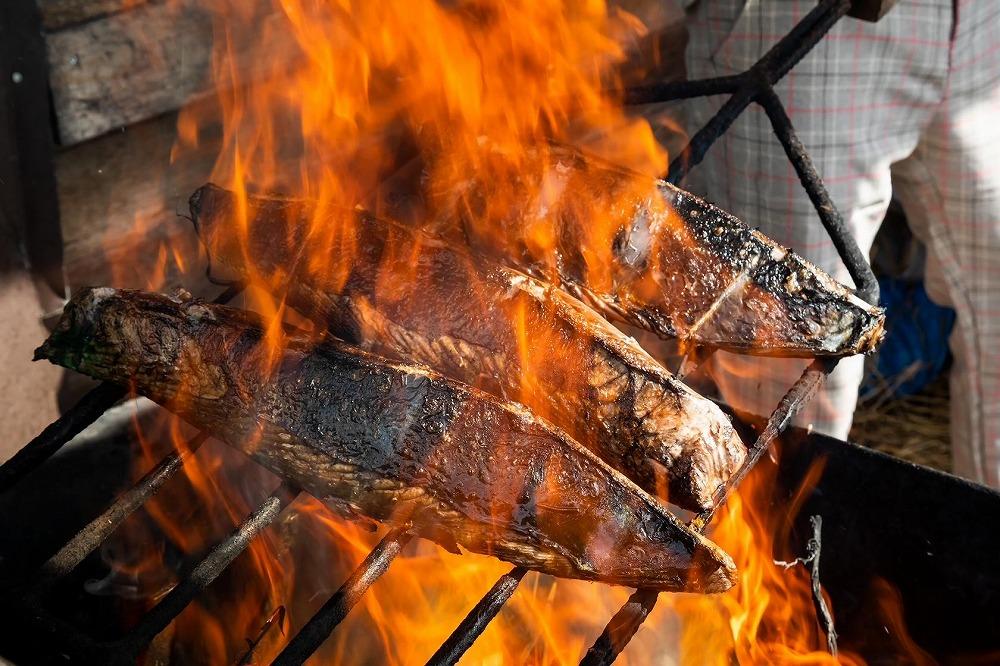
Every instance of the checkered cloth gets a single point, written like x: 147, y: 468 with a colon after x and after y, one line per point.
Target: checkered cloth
x: 912, y: 103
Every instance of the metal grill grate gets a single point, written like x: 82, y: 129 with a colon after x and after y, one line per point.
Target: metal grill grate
x: 753, y: 86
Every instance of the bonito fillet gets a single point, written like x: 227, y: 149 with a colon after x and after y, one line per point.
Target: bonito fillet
x: 410, y: 296
x: 646, y: 252
x: 396, y: 443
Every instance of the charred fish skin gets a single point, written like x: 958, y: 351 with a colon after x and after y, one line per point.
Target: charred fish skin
x: 674, y: 264
x: 390, y: 442
x: 586, y: 376
x: 807, y: 312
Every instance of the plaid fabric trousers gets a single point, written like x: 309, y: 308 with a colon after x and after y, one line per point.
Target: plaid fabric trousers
x: 910, y: 104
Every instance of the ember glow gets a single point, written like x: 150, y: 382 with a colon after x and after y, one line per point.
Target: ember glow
x: 350, y: 105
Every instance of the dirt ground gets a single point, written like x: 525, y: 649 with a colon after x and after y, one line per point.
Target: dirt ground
x: 28, y: 390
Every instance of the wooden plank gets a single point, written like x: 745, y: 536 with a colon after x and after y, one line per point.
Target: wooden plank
x: 58, y: 14
x: 131, y: 66
x: 127, y: 67
x: 121, y: 198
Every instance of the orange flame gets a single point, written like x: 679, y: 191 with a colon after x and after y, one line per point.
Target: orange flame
x: 443, y: 96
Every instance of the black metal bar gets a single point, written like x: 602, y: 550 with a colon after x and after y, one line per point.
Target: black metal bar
x: 798, y: 395
x: 322, y: 624
x: 76, y: 419
x: 630, y: 617
x: 653, y: 93
x: 621, y: 628
x: 778, y: 60
x: 233, y: 290
x: 157, y: 619
x: 694, y: 152
x: 843, y: 240
x: 767, y: 71
x: 62, y: 430
x: 473, y: 625
x: 95, y: 532
x: 794, y: 46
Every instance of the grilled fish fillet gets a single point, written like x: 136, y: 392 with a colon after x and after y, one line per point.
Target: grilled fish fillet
x: 649, y: 253
x: 409, y: 296
x: 395, y: 443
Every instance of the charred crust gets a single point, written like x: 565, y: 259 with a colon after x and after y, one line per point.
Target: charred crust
x: 399, y: 443
x: 822, y: 318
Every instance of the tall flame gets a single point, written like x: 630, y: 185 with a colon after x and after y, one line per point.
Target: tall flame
x: 350, y: 103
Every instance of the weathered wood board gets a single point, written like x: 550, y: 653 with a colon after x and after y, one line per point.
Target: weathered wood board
x: 120, y: 198
x: 117, y: 62
x: 116, y: 67
x: 133, y: 65
x: 58, y: 14
x: 127, y: 67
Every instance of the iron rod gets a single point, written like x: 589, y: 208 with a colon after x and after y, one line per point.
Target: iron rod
x: 321, y: 625
x: 801, y: 39
x: 767, y: 71
x: 475, y: 623
x: 97, y: 401
x: 157, y: 619
x: 628, y: 619
x: 843, y: 240
x: 101, y: 527
x: 621, y: 628
x: 233, y: 290
x: 798, y: 395
x: 654, y: 93
x: 784, y: 55
x: 694, y: 152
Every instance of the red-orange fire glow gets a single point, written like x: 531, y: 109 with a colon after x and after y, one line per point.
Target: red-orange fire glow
x: 346, y: 95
